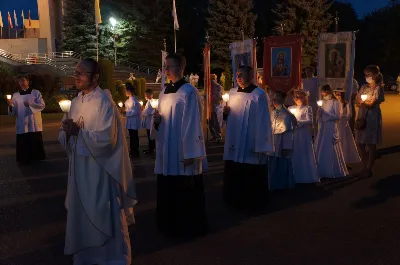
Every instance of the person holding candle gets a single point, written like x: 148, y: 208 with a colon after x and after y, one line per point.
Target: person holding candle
x: 329, y: 154
x: 216, y: 97
x: 180, y: 155
x: 283, y: 122
x: 303, y: 155
x: 248, y: 140
x: 133, y: 119
x: 369, y: 119
x: 27, y: 105
x: 101, y: 190
x: 147, y: 116
x: 347, y: 142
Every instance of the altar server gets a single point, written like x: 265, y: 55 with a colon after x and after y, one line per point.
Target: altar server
x: 248, y: 139
x: 27, y: 105
x: 101, y: 190
x: 147, y: 116
x: 180, y: 155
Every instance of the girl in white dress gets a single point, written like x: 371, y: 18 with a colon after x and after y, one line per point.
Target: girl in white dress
x: 347, y: 142
x: 303, y: 156
x: 329, y: 154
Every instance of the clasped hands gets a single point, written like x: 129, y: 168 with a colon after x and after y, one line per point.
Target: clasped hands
x: 70, y: 127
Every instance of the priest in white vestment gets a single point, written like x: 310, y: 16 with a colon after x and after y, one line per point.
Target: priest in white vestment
x: 180, y: 155
x: 248, y: 140
x: 27, y: 105
x: 280, y: 172
x: 101, y: 190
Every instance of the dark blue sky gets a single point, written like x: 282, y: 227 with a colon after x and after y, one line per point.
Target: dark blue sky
x: 361, y: 6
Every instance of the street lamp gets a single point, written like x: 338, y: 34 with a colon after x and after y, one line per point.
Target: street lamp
x: 113, y: 23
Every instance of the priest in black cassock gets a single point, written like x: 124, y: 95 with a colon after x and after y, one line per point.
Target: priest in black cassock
x: 248, y: 139
x: 180, y: 155
x: 26, y: 105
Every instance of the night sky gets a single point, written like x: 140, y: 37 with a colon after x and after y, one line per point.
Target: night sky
x: 362, y: 7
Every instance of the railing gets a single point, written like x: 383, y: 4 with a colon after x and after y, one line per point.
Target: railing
x: 58, y: 55
x: 11, y: 56
x: 134, y: 66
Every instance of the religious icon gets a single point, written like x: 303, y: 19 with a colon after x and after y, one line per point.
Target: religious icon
x: 335, y: 60
x: 281, y: 61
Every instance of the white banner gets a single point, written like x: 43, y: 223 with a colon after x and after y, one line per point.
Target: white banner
x: 243, y: 53
x: 336, y: 53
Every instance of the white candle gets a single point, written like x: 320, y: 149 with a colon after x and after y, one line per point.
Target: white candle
x: 154, y: 103
x: 225, y: 97
x: 319, y: 102
x: 8, y: 97
x: 141, y: 103
x: 293, y: 111
x: 364, y: 97
x: 120, y: 104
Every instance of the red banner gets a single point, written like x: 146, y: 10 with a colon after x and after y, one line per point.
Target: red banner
x: 282, y: 62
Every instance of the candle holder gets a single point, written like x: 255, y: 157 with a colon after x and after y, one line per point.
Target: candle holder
x: 319, y: 103
x: 364, y: 97
x: 141, y: 103
x: 293, y: 111
x: 8, y: 97
x: 154, y: 103
x: 225, y: 98
x: 65, y: 106
x: 120, y: 104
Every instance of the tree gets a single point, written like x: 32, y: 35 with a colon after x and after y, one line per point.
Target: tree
x: 348, y: 20
x: 79, y: 33
x: 306, y: 17
x: 226, y: 19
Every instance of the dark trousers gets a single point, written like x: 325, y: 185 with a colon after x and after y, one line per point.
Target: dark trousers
x: 215, y: 130
x: 134, y: 140
x: 151, y: 143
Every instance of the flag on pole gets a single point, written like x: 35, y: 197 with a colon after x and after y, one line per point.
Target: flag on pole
x: 23, y: 16
x: 1, y: 21
x: 29, y: 18
x: 97, y: 12
x: 15, y: 19
x: 176, y: 23
x: 10, y: 21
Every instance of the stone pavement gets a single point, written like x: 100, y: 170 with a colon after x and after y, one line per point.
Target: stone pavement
x: 349, y: 221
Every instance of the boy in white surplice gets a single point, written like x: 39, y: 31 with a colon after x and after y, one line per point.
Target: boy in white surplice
x: 180, y: 155
x: 248, y: 139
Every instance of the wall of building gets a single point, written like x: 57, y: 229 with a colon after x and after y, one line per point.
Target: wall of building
x: 23, y: 46
x: 47, y: 23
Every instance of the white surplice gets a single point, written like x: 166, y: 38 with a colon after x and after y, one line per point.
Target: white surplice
x: 328, y: 150
x: 248, y: 131
x: 147, y: 115
x: 180, y: 134
x: 303, y: 156
x: 133, y: 117
x: 101, y: 190
x: 28, y: 119
x: 347, y: 141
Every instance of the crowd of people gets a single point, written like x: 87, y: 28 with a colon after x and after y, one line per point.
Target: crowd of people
x: 270, y: 144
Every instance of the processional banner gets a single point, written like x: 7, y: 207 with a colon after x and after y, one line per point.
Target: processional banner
x: 336, y: 53
x: 164, y: 75
x: 282, y: 62
x: 243, y: 53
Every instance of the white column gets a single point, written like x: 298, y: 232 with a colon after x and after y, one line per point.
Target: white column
x: 47, y: 23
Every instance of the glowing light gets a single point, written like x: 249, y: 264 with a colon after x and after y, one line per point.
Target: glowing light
x: 319, y: 102
x: 154, y: 103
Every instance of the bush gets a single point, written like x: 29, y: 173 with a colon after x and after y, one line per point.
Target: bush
x: 120, y: 88
x: 106, y: 77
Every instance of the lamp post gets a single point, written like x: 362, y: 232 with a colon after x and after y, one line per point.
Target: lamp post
x: 113, y: 23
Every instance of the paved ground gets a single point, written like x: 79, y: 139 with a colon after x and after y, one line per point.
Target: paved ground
x: 351, y: 221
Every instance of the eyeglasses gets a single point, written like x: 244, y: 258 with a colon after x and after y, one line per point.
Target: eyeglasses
x: 167, y: 67
x: 78, y: 74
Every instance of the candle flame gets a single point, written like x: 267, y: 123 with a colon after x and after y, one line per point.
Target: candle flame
x: 225, y: 97
x: 65, y: 105
x: 154, y: 103
x: 364, y: 97
x: 9, y: 97
x: 319, y: 102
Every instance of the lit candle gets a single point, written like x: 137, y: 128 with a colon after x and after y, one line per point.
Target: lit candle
x: 65, y: 106
x: 364, y: 97
x: 293, y: 111
x: 141, y: 103
x: 319, y: 102
x: 120, y: 104
x: 225, y: 98
x: 154, y: 103
x: 8, y: 97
